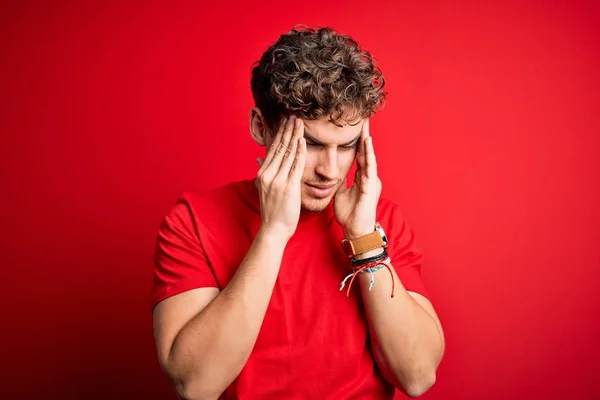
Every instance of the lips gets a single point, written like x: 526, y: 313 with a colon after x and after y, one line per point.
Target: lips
x: 320, y: 190
x: 324, y: 187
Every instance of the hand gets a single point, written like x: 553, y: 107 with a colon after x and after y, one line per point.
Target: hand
x: 279, y: 180
x: 356, y: 207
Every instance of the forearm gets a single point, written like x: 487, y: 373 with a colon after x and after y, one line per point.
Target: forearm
x: 211, y: 350
x: 407, y: 342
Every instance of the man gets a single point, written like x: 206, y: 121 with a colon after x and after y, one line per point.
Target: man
x: 247, y: 301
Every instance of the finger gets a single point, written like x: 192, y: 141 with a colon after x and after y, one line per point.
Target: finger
x: 274, y: 145
x: 290, y: 153
x: 283, y: 146
x: 363, y: 152
x: 360, y: 153
x: 365, y: 133
x: 366, y: 129
x: 371, y: 159
x: 297, y: 168
x: 260, y: 162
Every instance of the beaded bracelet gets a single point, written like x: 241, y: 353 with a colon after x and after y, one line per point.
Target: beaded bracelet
x: 371, y: 267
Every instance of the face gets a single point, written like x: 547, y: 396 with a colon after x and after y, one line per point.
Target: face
x: 331, y: 150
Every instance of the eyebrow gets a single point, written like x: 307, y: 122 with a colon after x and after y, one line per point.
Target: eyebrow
x: 350, y: 143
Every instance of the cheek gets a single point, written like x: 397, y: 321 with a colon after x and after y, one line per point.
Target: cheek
x: 309, y: 165
x: 345, y: 160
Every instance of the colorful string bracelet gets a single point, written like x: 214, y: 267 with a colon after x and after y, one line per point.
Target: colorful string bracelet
x: 370, y: 267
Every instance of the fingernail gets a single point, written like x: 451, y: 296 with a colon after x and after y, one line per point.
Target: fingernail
x: 298, y: 121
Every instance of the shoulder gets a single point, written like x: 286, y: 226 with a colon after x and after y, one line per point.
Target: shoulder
x: 221, y: 205
x: 391, y: 217
x: 388, y: 210
x: 225, y: 197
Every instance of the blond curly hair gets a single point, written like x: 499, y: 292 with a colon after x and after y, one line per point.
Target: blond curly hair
x: 313, y: 73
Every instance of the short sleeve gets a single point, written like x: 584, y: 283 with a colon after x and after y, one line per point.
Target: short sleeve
x: 405, y: 255
x: 180, y: 263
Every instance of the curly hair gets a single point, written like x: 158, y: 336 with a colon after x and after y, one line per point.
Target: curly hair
x: 313, y: 73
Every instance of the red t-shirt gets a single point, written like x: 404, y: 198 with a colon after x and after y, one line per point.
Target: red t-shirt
x: 313, y: 343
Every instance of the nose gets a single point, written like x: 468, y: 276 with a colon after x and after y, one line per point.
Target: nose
x: 327, y: 165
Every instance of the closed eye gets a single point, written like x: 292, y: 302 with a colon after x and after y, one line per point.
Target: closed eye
x: 351, y: 147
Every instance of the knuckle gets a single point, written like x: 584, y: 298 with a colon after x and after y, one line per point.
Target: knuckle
x: 264, y: 179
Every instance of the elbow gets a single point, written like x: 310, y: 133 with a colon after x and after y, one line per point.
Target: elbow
x: 191, y: 386
x: 417, y: 386
x: 411, y: 379
x: 186, y: 392
x: 194, y: 391
x: 188, y: 386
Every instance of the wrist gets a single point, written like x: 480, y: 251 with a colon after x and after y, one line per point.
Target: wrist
x: 355, y: 234
x: 368, y: 254
x: 364, y: 243
x: 272, y: 238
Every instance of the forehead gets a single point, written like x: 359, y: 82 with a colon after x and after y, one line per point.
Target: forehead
x: 326, y: 131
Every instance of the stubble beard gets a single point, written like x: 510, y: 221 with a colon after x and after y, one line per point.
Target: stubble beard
x: 313, y: 204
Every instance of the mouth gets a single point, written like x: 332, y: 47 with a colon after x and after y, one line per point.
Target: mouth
x: 320, y: 191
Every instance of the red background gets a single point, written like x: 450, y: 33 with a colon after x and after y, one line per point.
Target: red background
x: 489, y: 141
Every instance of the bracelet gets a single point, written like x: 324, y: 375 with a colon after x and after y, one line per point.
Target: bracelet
x: 360, y: 263
x: 370, y: 271
x: 371, y: 267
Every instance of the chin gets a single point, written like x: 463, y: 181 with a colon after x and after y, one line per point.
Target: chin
x: 315, y: 205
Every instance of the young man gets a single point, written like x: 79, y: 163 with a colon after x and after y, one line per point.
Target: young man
x: 247, y: 301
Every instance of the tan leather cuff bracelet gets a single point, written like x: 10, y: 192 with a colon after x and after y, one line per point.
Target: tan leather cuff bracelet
x: 366, y: 243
